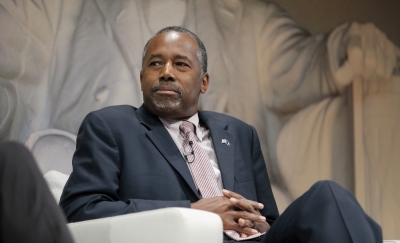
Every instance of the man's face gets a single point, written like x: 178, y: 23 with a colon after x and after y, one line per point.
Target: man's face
x: 171, y: 77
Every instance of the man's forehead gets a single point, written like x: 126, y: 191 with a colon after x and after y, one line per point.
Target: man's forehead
x: 174, y: 38
x: 171, y: 36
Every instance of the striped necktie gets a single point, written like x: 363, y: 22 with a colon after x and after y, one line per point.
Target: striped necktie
x: 202, y: 170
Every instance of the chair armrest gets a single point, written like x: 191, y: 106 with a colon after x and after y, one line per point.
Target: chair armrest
x: 178, y: 225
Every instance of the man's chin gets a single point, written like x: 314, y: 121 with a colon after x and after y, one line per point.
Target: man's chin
x: 166, y: 106
x: 166, y: 111
x: 165, y: 102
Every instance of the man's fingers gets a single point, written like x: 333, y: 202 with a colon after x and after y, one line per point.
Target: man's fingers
x: 236, y: 226
x: 250, y: 231
x: 241, y: 201
x: 245, y: 230
x: 260, y: 227
x: 246, y: 223
x: 246, y: 205
x: 256, y: 205
x: 230, y: 194
x: 248, y: 216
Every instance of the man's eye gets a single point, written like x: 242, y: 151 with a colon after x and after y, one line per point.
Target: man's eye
x: 181, y: 64
x: 154, y: 64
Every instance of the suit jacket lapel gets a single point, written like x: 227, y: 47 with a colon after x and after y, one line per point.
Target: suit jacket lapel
x: 160, y: 137
x: 225, y: 153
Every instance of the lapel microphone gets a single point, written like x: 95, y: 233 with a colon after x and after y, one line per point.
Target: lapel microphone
x: 190, y: 153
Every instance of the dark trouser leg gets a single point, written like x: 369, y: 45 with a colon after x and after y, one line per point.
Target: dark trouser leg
x: 28, y: 211
x: 326, y: 213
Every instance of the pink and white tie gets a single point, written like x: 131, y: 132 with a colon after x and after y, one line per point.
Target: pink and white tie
x: 202, y: 170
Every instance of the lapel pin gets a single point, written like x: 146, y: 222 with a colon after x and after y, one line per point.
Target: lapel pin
x: 225, y: 141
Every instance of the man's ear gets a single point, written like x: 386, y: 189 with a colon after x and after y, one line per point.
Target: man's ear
x: 204, y: 83
x: 141, y: 78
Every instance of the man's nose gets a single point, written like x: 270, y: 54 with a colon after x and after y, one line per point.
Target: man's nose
x: 167, y: 72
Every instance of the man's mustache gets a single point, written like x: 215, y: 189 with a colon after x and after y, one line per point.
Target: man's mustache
x: 169, y: 84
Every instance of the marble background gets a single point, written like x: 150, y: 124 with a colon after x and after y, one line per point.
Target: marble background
x: 284, y: 73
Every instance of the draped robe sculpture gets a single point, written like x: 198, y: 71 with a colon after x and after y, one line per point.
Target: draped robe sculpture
x: 63, y: 59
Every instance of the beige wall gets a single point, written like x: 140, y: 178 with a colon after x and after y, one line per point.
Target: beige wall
x: 323, y: 15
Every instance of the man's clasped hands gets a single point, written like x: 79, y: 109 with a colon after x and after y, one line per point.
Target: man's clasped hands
x: 237, y: 213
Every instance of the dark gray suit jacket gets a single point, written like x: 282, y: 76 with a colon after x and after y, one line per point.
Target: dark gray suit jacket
x: 127, y: 162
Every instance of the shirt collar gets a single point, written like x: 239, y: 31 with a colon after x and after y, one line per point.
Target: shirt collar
x: 174, y: 125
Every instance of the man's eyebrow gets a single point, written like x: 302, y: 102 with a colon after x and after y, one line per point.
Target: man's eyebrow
x: 182, y: 57
x: 178, y: 56
x: 155, y: 56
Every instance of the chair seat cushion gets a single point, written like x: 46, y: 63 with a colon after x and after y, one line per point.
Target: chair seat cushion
x: 56, y: 182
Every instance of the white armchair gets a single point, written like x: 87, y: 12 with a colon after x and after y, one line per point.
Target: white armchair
x: 53, y: 148
x: 53, y: 151
x: 178, y: 225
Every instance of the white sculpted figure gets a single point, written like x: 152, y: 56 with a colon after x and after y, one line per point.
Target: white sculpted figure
x: 62, y: 59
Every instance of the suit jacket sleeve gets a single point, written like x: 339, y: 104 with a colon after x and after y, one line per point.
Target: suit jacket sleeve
x: 92, y: 189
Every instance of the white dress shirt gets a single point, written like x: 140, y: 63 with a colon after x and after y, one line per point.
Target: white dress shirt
x: 205, y: 141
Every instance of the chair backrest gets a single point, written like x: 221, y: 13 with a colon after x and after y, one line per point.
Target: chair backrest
x: 52, y: 149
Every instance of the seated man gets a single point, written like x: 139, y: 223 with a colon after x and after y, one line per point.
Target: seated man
x: 28, y: 211
x: 168, y: 154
